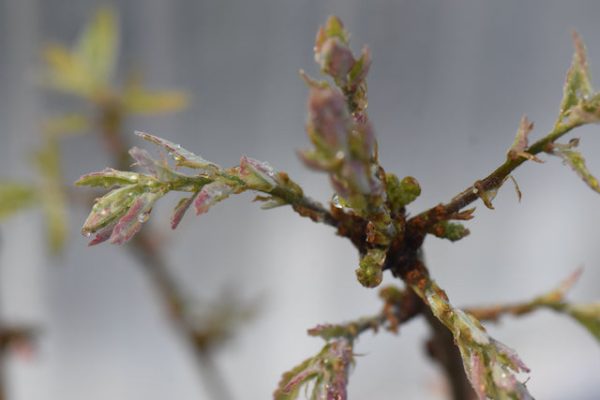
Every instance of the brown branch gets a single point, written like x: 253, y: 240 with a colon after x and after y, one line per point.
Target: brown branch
x: 495, y: 312
x: 396, y: 311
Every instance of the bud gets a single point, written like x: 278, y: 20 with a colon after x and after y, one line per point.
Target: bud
x: 370, y: 270
x: 335, y: 59
x: 328, y: 119
x: 401, y: 193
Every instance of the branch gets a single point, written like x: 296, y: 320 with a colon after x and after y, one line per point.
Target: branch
x: 425, y: 220
x: 400, y: 306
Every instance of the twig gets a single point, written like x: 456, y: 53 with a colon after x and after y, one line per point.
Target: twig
x: 425, y: 220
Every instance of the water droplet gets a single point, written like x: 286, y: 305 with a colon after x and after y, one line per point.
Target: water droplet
x: 337, y: 202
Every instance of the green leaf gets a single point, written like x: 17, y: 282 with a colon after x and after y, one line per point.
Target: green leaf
x: 110, y: 208
x: 52, y: 195
x: 575, y: 160
x: 109, y: 177
x: 139, y: 100
x: 577, y: 84
x: 14, y: 197
x: 587, y: 315
x: 66, y: 73
x: 98, y: 46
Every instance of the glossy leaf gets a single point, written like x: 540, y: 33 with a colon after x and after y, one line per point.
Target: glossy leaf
x: 328, y: 370
x: 490, y: 365
x: 109, y: 177
x: 210, y: 195
x: 182, y: 156
x: 131, y: 222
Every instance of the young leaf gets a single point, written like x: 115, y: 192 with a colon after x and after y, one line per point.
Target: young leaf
x: 587, y: 315
x: 210, y: 195
x: 14, y: 197
x: 258, y: 175
x: 66, y: 73
x: 131, y: 222
x: 182, y: 156
x: 577, y: 84
x: 576, y: 161
x: 109, y: 177
x: 329, y: 370
x: 139, y: 100
x: 180, y: 210
x: 519, y: 146
x: 490, y: 365
x: 110, y: 208
x: 97, y: 47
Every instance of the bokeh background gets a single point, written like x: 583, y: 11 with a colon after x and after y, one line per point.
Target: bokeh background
x: 449, y: 82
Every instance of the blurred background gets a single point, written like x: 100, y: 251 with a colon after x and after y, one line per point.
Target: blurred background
x: 449, y: 83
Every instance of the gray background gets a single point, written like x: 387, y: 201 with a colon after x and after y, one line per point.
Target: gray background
x: 449, y: 83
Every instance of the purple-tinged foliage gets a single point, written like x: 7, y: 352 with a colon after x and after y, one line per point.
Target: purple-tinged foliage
x: 210, y: 195
x: 329, y: 370
x: 519, y: 146
x: 489, y: 365
x: 258, y: 175
x: 180, y: 210
x: 131, y: 223
x: 182, y: 157
x: 369, y: 208
x: 118, y: 215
